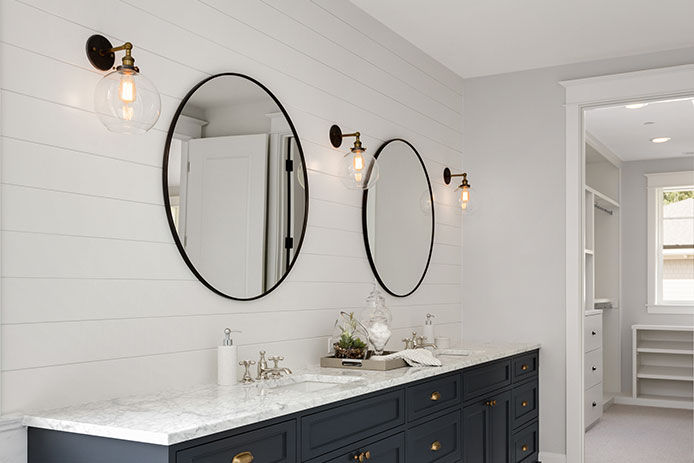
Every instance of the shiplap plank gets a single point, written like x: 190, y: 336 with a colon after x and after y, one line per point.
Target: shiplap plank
x: 98, y: 340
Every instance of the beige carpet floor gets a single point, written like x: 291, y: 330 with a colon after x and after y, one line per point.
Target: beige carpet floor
x: 633, y: 434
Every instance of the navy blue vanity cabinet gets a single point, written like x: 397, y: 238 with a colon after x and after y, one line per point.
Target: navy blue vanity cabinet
x: 487, y: 413
x: 500, y: 411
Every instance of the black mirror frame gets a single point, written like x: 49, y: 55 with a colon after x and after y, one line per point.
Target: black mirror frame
x: 165, y: 186
x: 365, y: 229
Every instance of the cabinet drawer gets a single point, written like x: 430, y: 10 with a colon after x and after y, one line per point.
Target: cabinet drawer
x: 346, y: 424
x: 593, y: 332
x: 524, y: 404
x: 388, y: 450
x: 593, y: 368
x: 524, y: 445
x: 486, y: 378
x: 525, y: 366
x: 432, y: 396
x: 593, y: 404
x: 437, y: 440
x: 272, y: 444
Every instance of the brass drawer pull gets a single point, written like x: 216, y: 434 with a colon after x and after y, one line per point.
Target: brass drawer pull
x: 243, y: 457
x: 524, y: 448
x: 524, y: 404
x: 361, y: 457
x: 435, y: 446
x: 490, y: 403
x: 435, y: 395
x: 524, y: 367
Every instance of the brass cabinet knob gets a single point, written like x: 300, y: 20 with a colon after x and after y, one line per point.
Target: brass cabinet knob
x: 524, y: 448
x: 435, y: 395
x: 524, y: 367
x: 493, y: 403
x: 243, y: 457
x: 367, y: 454
x: 361, y: 457
x: 524, y: 404
x: 435, y: 446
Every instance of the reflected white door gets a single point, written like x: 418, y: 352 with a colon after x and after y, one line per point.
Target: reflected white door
x: 225, y: 216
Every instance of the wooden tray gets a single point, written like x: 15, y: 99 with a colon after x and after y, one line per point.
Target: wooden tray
x: 362, y: 364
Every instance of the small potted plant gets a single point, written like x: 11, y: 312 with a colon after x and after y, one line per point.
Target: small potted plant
x: 349, y: 345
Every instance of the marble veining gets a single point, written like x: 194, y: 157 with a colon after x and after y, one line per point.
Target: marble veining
x: 171, y: 417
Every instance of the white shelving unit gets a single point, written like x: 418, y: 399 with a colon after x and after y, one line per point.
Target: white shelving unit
x: 663, y: 365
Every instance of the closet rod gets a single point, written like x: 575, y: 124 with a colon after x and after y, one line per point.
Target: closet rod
x: 604, y: 209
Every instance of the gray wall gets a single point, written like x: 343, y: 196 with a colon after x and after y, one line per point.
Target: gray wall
x: 514, y: 246
x: 634, y: 247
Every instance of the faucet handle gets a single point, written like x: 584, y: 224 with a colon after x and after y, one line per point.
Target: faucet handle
x: 247, y: 378
x: 276, y: 359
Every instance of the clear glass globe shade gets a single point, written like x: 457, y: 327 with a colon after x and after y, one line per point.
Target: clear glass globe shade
x: 471, y: 205
x: 126, y: 101
x: 360, y: 170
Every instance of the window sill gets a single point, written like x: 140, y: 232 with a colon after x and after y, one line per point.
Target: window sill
x: 670, y: 309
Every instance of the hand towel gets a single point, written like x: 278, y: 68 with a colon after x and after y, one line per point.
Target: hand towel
x: 413, y: 357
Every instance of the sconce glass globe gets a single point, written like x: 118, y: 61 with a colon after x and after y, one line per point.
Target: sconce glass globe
x: 126, y: 101
x: 468, y: 199
x: 360, y: 170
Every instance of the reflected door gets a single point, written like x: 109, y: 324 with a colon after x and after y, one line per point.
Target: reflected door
x: 225, y: 211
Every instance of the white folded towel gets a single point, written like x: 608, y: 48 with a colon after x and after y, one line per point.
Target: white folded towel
x: 413, y: 357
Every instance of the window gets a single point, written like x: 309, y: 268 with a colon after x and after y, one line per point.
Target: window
x: 671, y: 242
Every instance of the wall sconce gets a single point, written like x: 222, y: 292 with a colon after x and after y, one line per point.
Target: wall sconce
x: 124, y: 100
x: 464, y: 198
x: 360, y: 170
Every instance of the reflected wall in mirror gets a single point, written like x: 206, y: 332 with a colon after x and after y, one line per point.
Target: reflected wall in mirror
x: 235, y: 186
x: 398, y: 219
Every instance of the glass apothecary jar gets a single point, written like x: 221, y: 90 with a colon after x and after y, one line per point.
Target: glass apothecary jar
x: 376, y: 318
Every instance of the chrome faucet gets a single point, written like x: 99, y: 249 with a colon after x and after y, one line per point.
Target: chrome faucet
x: 417, y: 342
x: 264, y: 372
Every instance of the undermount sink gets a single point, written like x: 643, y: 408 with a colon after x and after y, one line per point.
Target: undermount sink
x: 308, y: 383
x: 455, y: 352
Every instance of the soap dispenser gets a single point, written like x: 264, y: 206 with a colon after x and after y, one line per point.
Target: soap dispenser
x: 227, y: 360
x: 428, y: 328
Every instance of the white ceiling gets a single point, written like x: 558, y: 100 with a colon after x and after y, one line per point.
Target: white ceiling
x: 482, y: 37
x: 626, y: 132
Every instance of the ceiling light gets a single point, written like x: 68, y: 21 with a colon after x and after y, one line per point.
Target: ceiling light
x: 660, y: 139
x: 636, y: 105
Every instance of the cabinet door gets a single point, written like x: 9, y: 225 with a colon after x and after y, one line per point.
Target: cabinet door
x: 475, y: 424
x: 499, y: 437
x: 487, y: 429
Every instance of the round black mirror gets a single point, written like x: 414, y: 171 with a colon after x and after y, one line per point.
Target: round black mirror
x: 398, y: 219
x: 235, y: 186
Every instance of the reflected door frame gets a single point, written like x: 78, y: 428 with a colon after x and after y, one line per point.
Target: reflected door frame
x: 583, y: 94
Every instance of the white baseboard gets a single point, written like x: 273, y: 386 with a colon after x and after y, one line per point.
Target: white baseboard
x: 13, y: 441
x: 548, y: 457
x: 648, y: 402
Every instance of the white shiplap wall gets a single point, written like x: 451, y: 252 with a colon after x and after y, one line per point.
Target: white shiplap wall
x: 96, y: 301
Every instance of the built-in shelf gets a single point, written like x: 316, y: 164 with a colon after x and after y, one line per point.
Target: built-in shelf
x: 664, y: 372
x: 666, y: 347
x: 602, y: 196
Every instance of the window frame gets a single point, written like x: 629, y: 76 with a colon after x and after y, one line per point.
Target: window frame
x: 657, y: 184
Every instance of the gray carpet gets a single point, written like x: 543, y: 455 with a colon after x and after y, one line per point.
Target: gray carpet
x: 634, y: 434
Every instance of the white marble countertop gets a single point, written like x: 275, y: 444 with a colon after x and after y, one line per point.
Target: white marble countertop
x: 171, y: 417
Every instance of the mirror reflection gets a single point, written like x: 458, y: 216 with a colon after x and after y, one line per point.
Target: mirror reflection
x: 398, y: 219
x: 235, y: 181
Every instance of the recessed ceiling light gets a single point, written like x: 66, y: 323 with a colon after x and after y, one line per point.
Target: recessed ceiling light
x: 636, y: 105
x: 660, y: 139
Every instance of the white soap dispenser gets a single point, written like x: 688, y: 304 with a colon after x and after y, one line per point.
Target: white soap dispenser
x: 428, y: 328
x: 227, y: 360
